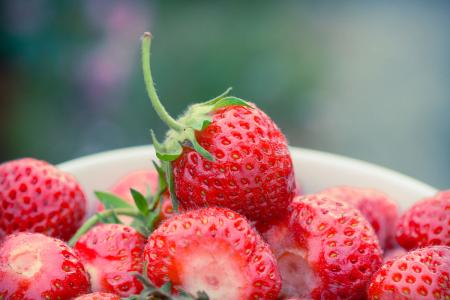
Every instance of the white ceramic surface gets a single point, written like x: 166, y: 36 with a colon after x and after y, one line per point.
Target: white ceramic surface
x: 315, y: 171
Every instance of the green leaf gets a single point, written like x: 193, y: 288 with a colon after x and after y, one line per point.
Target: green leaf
x: 102, y: 219
x: 161, y: 176
x: 205, y: 124
x: 202, y: 296
x: 169, y: 174
x: 115, y: 219
x: 227, y: 101
x: 139, y: 225
x: 162, y: 153
x: 112, y: 219
x: 111, y: 200
x: 167, y: 156
x: 202, y: 123
x: 224, y: 94
x: 167, y: 287
x: 140, y: 201
x: 202, y: 151
x: 151, y: 220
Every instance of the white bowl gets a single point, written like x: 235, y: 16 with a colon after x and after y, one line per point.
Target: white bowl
x: 314, y: 170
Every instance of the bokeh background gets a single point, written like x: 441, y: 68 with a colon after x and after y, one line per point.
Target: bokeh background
x: 366, y: 79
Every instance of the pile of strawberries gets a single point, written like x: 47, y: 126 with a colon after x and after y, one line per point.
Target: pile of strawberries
x: 220, y: 217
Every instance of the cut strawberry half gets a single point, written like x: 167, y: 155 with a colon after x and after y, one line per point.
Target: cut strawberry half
x: 213, y: 250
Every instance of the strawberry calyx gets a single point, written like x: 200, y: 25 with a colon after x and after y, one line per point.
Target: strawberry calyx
x: 145, y: 211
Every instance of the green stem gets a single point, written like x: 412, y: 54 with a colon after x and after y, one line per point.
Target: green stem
x: 132, y: 212
x: 151, y: 91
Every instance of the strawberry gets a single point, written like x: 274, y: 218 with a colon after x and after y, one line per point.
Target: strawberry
x: 376, y: 207
x: 214, y: 250
x: 98, y: 296
x: 35, y: 196
x: 35, y: 266
x: 224, y: 152
x: 110, y: 252
x: 325, y: 249
x: 420, y: 274
x: 426, y: 223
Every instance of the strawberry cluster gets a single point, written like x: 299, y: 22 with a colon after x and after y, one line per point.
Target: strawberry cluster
x: 220, y: 217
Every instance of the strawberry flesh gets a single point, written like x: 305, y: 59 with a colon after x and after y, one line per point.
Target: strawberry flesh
x: 98, y: 296
x: 34, y: 266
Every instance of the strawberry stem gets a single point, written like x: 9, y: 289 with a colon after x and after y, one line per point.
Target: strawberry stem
x: 132, y: 212
x: 151, y: 91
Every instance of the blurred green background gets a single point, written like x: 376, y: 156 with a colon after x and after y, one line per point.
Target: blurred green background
x: 366, y: 79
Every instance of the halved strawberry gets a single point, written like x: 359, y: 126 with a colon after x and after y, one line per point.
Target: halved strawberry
x: 420, y: 274
x: 214, y: 250
x: 110, y: 252
x: 35, y: 266
x: 325, y: 249
x: 98, y: 296
x: 426, y: 223
x: 376, y: 207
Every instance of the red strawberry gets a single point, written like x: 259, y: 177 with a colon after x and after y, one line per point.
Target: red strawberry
x: 35, y: 196
x: 35, y: 266
x: 420, y: 274
x: 252, y: 172
x: 98, y: 296
x: 214, y: 250
x: 328, y: 249
x: 225, y: 152
x: 110, y: 252
x: 426, y: 223
x: 376, y: 207
x: 143, y: 181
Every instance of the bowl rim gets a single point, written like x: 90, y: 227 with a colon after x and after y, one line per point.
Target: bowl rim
x: 320, y: 156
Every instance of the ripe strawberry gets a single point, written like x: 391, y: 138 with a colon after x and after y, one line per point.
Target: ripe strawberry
x: 110, y: 252
x: 214, y: 250
x: 98, y: 296
x: 328, y: 249
x: 35, y: 196
x: 420, y: 274
x: 376, y: 207
x: 225, y: 152
x: 426, y: 223
x: 35, y: 266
